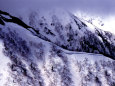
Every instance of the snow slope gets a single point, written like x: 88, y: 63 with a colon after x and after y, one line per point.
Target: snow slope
x: 4, y: 61
x: 35, y: 59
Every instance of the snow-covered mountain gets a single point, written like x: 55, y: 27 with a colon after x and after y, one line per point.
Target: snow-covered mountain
x: 68, y: 31
x: 54, y: 48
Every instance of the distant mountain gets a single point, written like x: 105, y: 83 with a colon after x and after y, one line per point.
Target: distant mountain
x: 54, y: 48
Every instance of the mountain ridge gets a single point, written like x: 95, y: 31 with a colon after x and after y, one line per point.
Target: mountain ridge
x: 47, y: 34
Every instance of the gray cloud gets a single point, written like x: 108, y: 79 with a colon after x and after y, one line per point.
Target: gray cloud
x: 105, y: 7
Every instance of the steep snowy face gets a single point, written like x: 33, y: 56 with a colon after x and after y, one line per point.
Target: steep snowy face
x: 104, y: 22
x: 69, y: 32
x: 31, y: 56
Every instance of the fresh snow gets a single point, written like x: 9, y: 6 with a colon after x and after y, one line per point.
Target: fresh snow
x: 4, y: 66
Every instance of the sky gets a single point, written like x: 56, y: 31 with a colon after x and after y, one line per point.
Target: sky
x: 105, y: 7
x: 102, y: 8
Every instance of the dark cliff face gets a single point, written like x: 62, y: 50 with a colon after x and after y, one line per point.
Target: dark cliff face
x: 47, y: 54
